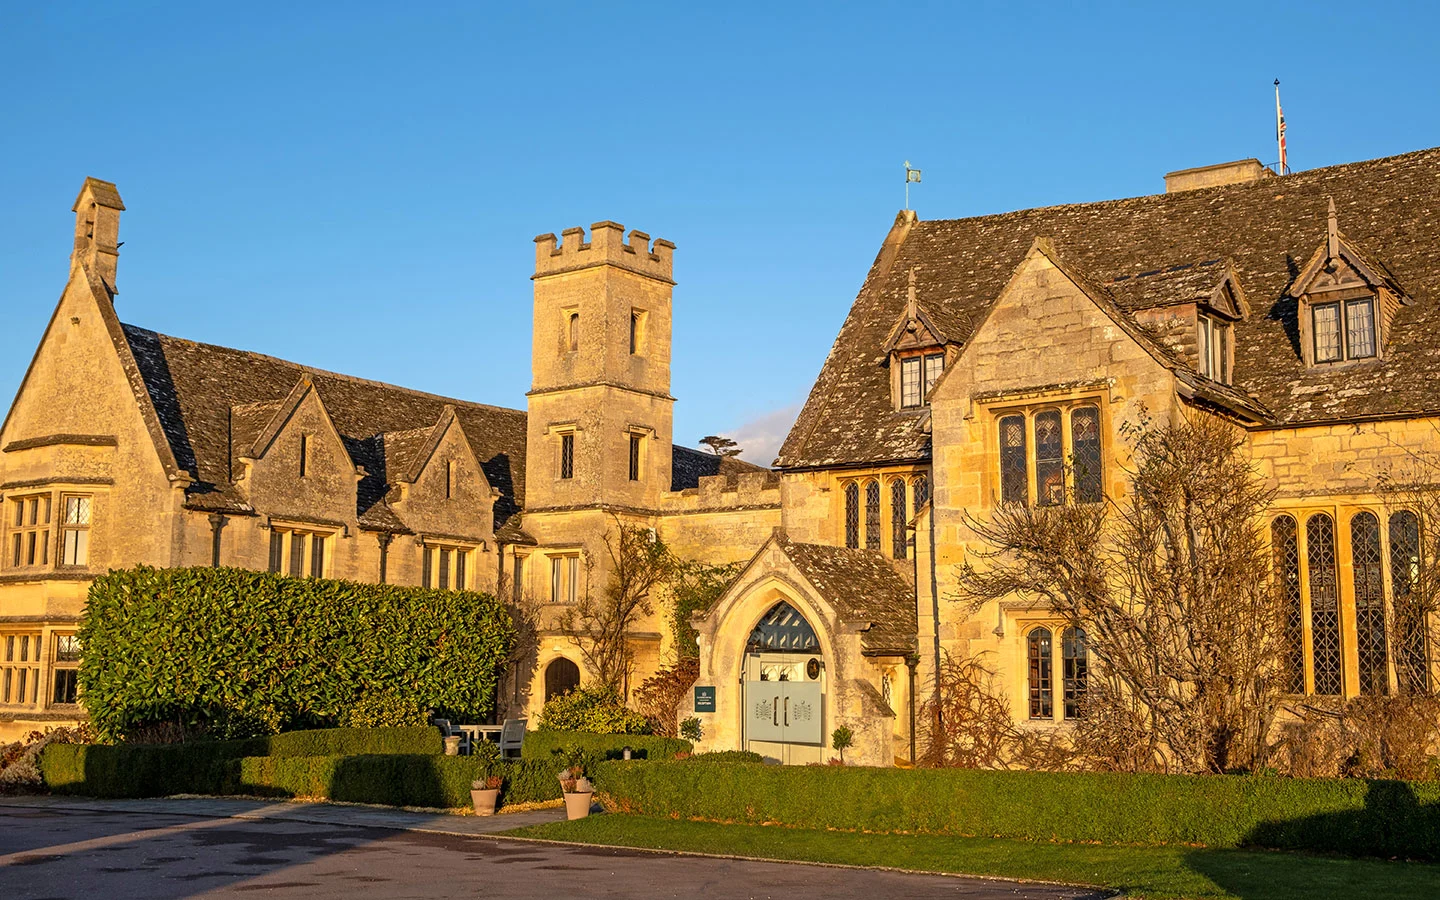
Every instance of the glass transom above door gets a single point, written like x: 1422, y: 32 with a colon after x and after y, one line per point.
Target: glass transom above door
x: 783, y: 630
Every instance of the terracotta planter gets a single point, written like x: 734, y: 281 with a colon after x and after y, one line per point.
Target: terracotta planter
x: 484, y: 801
x: 577, y: 805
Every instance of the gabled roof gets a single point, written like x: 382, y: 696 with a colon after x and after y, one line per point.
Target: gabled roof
x: 210, y: 399
x: 1391, y: 207
x: 1202, y: 282
x: 1337, y: 247
x: 865, y: 588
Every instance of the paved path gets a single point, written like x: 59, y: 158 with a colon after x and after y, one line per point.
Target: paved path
x: 52, y: 848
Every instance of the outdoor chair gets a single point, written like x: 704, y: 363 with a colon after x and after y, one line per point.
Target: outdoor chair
x: 512, y: 738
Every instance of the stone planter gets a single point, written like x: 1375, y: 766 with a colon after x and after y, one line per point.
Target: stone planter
x: 577, y: 805
x: 452, y: 745
x: 484, y: 801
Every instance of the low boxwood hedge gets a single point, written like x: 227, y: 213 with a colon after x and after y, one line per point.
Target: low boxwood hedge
x: 545, y: 743
x: 1374, y: 818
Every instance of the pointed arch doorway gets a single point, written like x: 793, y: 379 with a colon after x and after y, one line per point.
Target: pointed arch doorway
x: 784, y: 689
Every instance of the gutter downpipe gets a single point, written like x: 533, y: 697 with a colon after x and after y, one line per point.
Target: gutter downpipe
x: 935, y: 601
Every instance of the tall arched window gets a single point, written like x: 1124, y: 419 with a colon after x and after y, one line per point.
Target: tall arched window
x: 852, y: 515
x: 1075, y: 664
x: 922, y: 492
x: 1369, y: 571
x: 572, y: 331
x: 1412, y: 640
x: 1014, y: 476
x: 899, y: 518
x: 1325, y: 655
x: 1049, y: 459
x: 872, y: 515
x: 1286, y: 547
x: 1085, y: 449
x: 561, y: 677
x: 1038, y: 650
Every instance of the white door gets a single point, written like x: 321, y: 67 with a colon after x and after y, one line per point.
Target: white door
x: 785, y: 707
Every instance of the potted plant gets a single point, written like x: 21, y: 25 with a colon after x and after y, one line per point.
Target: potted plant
x: 485, y: 793
x: 577, y: 790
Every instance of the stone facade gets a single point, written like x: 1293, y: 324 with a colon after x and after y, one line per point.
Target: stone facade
x: 980, y: 357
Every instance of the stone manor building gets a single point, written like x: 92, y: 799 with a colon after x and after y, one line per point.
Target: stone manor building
x: 985, y: 360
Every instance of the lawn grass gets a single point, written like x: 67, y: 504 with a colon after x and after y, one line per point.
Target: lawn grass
x: 1148, y: 872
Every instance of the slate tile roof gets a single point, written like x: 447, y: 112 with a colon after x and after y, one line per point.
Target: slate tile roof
x: 1389, y: 207
x: 688, y: 466
x: 214, y: 401
x: 865, y: 587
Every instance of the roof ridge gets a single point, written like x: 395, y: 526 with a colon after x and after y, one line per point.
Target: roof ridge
x: 326, y: 373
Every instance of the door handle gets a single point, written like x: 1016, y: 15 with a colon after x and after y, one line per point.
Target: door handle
x: 787, y: 712
x: 776, y: 718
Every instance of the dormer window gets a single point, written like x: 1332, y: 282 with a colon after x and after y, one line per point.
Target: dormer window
x: 1213, y: 338
x: 1343, y: 330
x: 918, y: 375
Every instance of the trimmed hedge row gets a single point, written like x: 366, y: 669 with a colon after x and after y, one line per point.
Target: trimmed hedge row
x: 544, y: 743
x: 391, y: 779
x: 237, y: 653
x: 1352, y: 816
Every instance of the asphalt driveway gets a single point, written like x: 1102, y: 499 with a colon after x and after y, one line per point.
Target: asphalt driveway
x: 54, y: 851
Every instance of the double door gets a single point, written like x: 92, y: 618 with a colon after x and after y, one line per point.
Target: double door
x: 785, y: 707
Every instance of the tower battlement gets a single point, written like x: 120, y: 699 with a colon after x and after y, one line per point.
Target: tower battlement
x: 607, y: 246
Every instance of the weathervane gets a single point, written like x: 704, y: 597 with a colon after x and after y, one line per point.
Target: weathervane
x: 912, y: 176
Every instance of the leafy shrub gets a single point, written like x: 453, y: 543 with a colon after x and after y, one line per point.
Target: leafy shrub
x: 592, y: 710
x: 1375, y: 818
x: 690, y: 729
x: 726, y: 756
x: 546, y: 744
x: 384, y: 709
x: 20, y: 760
x: 235, y: 653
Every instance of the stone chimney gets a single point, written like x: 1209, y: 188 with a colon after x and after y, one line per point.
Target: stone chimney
x: 1241, y: 171
x: 97, y: 229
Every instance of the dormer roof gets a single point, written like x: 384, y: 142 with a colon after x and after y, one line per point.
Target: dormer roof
x: 1212, y: 283
x: 1337, y: 249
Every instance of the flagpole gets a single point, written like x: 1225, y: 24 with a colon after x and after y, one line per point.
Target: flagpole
x: 1279, y: 128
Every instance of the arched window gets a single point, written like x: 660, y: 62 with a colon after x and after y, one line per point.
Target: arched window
x: 1412, y: 639
x: 852, y: 515
x: 1014, y: 476
x: 1049, y: 459
x: 872, y: 515
x: 1285, y: 544
x: 922, y: 492
x: 561, y: 677
x: 898, y: 518
x: 1038, y: 650
x: 1369, y: 571
x: 572, y: 331
x: 1075, y: 664
x: 1085, y: 448
x: 783, y: 630
x: 1325, y: 655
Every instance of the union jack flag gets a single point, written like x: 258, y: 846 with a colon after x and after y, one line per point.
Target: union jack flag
x: 1280, y: 129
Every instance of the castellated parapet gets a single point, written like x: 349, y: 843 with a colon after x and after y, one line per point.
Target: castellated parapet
x: 607, y: 245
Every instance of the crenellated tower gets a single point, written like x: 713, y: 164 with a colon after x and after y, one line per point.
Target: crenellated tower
x: 600, y: 410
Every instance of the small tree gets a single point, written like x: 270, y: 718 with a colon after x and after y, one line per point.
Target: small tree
x: 601, y: 625
x: 721, y: 446
x: 690, y: 729
x: 1172, y: 587
x: 841, y: 739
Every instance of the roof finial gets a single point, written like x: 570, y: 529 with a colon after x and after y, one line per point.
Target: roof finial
x: 1332, y: 233
x: 910, y: 305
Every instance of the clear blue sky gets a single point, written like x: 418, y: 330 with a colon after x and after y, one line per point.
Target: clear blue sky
x: 356, y: 186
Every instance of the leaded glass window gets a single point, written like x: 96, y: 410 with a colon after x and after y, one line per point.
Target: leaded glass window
x: 922, y: 492
x: 1085, y: 447
x: 934, y: 366
x: 1014, y: 478
x: 567, y: 456
x: 783, y: 630
x: 852, y: 515
x: 1325, y: 655
x: 1285, y: 544
x: 1360, y: 328
x: 1038, y: 651
x: 1075, y: 666
x: 1325, y: 319
x: 898, y: 518
x: 910, y: 382
x: 872, y: 515
x: 1412, y: 651
x: 1367, y: 565
x: 1049, y: 459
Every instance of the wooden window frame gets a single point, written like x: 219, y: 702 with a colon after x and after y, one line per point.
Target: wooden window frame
x: 71, y: 555
x: 20, y: 668
x: 32, y: 526
x: 64, y: 669
x: 912, y: 384
x: 299, y: 552
x: 565, y: 578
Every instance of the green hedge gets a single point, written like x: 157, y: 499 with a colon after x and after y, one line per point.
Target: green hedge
x: 545, y: 743
x: 391, y: 779
x: 238, y: 652
x: 1373, y: 818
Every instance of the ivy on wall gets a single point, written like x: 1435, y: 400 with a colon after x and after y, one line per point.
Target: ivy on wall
x: 232, y: 653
